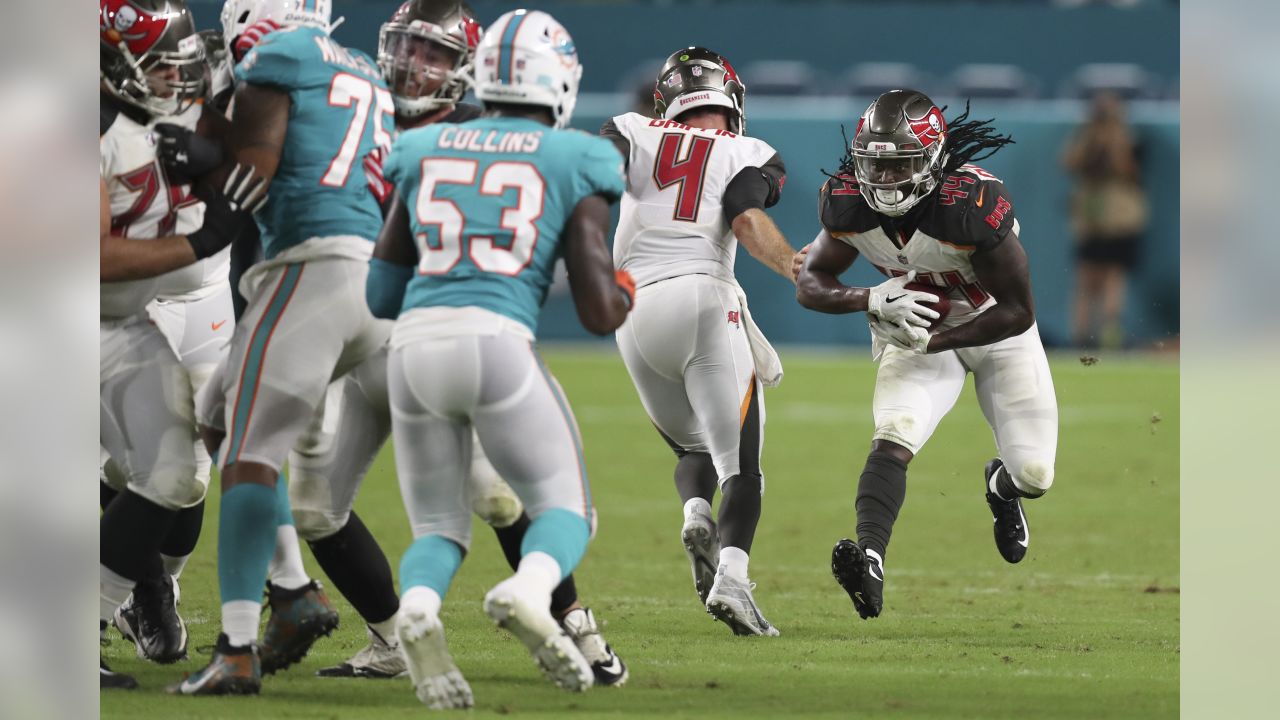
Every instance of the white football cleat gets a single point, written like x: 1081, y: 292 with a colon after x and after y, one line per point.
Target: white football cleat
x: 436, y: 679
x: 580, y: 625
x: 527, y: 615
x: 702, y: 545
x: 731, y: 602
x: 381, y: 658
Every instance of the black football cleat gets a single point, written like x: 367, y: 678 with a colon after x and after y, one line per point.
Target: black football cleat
x: 1013, y: 535
x: 110, y: 680
x: 861, y: 573
x: 298, y: 619
x: 150, y: 621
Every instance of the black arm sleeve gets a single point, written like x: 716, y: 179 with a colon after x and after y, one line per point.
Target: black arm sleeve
x: 754, y: 187
x: 609, y: 131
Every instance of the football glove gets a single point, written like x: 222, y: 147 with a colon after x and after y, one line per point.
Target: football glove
x: 184, y: 154
x: 891, y: 302
x: 229, y: 213
x: 904, y: 336
x: 378, y: 183
x: 627, y: 285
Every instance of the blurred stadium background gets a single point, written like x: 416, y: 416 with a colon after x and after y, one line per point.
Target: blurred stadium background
x: 811, y: 66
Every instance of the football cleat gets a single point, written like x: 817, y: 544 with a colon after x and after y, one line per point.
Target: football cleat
x: 861, y: 573
x: 378, y: 660
x: 298, y: 618
x: 111, y: 680
x: 731, y: 603
x: 149, y: 619
x: 436, y: 679
x: 580, y: 625
x: 1013, y: 535
x: 702, y: 545
x: 527, y: 615
x: 232, y: 671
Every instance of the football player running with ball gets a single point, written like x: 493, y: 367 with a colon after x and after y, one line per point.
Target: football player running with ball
x: 495, y: 201
x: 696, y: 187
x: 907, y: 199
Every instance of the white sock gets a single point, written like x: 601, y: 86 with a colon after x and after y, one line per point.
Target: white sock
x: 734, y: 561
x: 387, y: 628
x: 113, y: 590
x: 286, y: 570
x: 540, y: 571
x: 419, y: 597
x: 697, y: 506
x: 240, y: 621
x: 174, y: 565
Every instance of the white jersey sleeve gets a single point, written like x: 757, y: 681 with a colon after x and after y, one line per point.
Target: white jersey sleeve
x: 145, y: 205
x: 672, y: 218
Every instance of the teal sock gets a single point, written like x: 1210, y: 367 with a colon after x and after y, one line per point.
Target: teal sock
x: 561, y: 534
x: 431, y: 561
x: 246, y: 541
x: 284, y: 514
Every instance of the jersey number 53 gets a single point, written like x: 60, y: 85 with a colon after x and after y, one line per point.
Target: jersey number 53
x: 485, y: 251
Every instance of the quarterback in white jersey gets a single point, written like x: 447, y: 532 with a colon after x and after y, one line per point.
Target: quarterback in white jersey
x: 908, y: 200
x: 152, y: 66
x: 696, y: 186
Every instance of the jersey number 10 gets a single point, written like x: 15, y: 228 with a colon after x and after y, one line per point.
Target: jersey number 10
x: 484, y: 250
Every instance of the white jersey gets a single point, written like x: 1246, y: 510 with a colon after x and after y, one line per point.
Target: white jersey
x: 145, y: 205
x: 672, y: 221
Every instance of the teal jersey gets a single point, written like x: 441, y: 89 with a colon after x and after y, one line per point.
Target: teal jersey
x: 488, y: 200
x: 340, y: 110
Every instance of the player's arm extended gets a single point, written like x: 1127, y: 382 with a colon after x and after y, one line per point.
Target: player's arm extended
x: 259, y: 122
x: 818, y: 285
x: 1003, y: 272
x: 227, y: 215
x: 391, y: 267
x: 745, y: 197
x: 602, y: 295
x: 124, y: 258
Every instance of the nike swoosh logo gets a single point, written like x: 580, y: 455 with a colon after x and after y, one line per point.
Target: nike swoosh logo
x: 1026, y: 532
x: 893, y: 299
x: 981, y: 191
x: 615, y: 664
x: 217, y: 325
x: 871, y: 570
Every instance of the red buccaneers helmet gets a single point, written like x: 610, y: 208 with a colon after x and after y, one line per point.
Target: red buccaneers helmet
x: 150, y: 54
x: 899, y: 150
x: 415, y: 46
x: 697, y: 77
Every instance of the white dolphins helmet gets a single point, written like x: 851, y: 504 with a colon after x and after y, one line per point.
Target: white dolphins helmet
x: 240, y: 15
x: 528, y: 58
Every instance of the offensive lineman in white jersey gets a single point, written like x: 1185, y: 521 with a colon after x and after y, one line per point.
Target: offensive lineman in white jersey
x: 696, y: 187
x: 151, y: 66
x: 907, y: 199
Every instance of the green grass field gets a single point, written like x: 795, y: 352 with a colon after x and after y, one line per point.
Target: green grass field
x: 1085, y: 627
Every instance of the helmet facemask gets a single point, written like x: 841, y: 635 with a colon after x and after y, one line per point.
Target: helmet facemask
x: 893, y: 179
x: 426, y: 69
x: 158, y: 82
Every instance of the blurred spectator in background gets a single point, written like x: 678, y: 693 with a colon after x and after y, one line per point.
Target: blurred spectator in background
x: 1108, y: 217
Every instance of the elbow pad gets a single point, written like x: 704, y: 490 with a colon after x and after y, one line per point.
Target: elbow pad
x: 748, y: 189
x: 384, y: 290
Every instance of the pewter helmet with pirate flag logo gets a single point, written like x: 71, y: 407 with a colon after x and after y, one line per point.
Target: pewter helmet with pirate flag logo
x: 137, y: 37
x: 899, y: 151
x: 697, y: 77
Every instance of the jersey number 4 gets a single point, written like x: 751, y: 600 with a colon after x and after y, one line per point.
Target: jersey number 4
x: 689, y: 173
x: 347, y: 90
x: 447, y: 217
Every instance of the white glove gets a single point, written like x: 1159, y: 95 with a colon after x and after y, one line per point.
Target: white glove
x: 905, y: 336
x: 892, y: 303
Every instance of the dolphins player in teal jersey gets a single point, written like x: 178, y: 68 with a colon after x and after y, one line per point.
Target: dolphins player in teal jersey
x: 496, y: 202
x: 306, y: 110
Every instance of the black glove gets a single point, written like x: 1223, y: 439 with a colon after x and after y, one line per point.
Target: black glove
x: 229, y: 213
x: 184, y: 154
